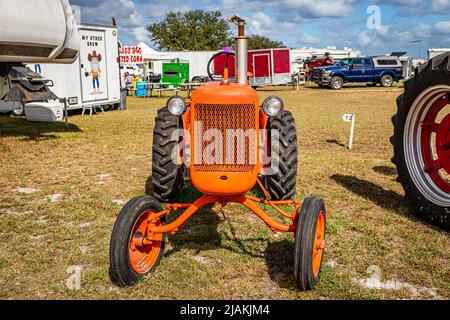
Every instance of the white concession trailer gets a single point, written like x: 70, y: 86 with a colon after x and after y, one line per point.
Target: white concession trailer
x: 94, y: 78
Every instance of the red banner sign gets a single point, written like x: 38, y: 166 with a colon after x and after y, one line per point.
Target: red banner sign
x: 131, y: 55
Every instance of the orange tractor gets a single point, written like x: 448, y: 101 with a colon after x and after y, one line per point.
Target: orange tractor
x: 232, y: 144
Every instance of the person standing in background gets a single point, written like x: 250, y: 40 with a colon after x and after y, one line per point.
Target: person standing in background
x: 124, y: 92
x: 37, y: 68
x: 328, y: 59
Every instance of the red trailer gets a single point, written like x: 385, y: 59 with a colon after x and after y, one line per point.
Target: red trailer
x: 266, y: 66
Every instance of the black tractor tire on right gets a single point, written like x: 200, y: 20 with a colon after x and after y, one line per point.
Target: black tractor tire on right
x: 336, y: 83
x: 282, y: 185
x: 435, y: 72
x: 167, y: 176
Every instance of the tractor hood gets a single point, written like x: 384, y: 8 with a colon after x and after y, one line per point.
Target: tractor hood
x: 225, y: 93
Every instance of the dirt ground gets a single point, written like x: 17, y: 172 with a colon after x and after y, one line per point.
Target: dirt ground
x: 61, y: 190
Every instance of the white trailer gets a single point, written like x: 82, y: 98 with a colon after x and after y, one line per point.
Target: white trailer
x: 437, y: 51
x: 94, y: 78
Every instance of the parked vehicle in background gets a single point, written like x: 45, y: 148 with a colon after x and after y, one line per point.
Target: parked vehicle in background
x: 311, y: 64
x: 300, y: 56
x: 94, y: 78
x: 27, y: 37
x: 421, y: 141
x: 384, y: 70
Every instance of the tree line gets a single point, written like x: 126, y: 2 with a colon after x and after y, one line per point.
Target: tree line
x: 197, y: 30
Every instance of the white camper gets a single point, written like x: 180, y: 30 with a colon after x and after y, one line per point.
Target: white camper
x: 435, y: 52
x: 94, y: 78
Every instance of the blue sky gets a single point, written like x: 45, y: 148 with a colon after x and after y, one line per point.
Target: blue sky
x: 299, y: 23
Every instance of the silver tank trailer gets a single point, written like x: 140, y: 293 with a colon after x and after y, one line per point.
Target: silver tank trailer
x: 37, y: 31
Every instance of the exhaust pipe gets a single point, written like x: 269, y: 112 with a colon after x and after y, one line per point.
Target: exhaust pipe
x: 241, y: 50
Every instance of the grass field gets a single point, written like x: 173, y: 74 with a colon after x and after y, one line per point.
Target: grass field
x: 61, y: 190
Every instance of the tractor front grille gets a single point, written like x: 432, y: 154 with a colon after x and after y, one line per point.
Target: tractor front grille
x: 225, y: 137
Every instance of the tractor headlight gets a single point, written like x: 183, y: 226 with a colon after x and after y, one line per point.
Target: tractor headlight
x: 176, y: 106
x: 273, y: 107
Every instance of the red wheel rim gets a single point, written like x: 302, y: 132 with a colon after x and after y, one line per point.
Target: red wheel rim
x: 319, y: 244
x: 436, y: 156
x: 144, y: 254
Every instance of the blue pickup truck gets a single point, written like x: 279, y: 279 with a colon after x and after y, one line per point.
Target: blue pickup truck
x: 371, y: 70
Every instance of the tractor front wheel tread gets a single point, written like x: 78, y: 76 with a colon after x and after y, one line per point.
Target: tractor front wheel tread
x: 282, y: 185
x: 166, y: 176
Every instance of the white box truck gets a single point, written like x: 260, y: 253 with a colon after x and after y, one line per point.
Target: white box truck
x: 94, y: 78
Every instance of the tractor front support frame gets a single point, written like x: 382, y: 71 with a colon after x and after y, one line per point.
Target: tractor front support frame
x: 245, y: 200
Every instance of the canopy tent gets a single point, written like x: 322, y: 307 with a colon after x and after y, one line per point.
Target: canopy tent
x: 150, y: 54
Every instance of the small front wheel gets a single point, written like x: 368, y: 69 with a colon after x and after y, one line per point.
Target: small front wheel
x: 132, y: 255
x: 309, y: 243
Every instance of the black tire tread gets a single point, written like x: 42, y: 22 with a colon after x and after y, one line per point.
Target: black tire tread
x: 282, y: 186
x: 166, y: 175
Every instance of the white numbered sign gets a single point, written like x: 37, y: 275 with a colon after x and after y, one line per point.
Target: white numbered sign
x: 348, y: 117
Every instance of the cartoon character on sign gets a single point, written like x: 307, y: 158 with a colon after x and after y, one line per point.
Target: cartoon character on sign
x: 95, y: 72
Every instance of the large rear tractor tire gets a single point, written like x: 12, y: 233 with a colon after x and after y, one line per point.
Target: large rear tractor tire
x: 422, y: 141
x: 282, y: 184
x: 167, y: 176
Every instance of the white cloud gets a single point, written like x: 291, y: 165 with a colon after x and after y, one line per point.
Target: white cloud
x: 307, y: 39
x: 320, y: 8
x: 442, y: 27
x: 260, y: 23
